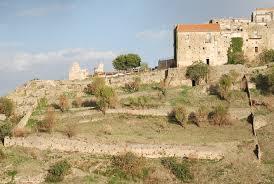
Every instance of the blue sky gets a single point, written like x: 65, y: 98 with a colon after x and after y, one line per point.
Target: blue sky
x: 42, y: 38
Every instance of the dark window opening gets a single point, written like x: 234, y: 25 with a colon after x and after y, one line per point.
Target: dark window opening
x: 203, y: 48
x: 193, y: 83
x: 262, y: 19
x: 256, y: 49
x: 207, y: 61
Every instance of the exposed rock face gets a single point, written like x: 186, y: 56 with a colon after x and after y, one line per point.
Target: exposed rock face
x: 26, y: 96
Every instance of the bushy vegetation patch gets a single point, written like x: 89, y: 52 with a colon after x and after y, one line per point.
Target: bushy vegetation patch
x: 220, y: 116
x: 96, y: 84
x: 180, y: 115
x: 64, y: 103
x: 267, y: 56
x: 133, y: 86
x: 77, y: 103
x: 47, y: 124
x: 225, y: 84
x: 106, y: 98
x: 180, y: 169
x: 140, y: 102
x: 6, y: 106
x: 265, y: 82
x: 127, y: 166
x: 5, y: 130
x: 57, y: 172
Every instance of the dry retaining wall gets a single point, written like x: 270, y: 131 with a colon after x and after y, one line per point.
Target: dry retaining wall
x: 146, y: 150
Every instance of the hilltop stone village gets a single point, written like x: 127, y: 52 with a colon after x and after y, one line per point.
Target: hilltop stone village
x: 210, y: 42
x: 157, y: 124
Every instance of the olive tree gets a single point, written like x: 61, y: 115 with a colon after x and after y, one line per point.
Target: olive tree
x: 197, y: 71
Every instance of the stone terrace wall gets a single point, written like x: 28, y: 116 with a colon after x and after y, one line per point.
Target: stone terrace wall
x: 146, y: 78
x: 146, y: 150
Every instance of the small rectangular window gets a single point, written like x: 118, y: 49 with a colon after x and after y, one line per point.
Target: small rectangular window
x: 256, y: 49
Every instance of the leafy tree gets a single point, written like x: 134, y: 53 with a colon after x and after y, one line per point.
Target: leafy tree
x: 125, y: 62
x: 197, y: 71
x: 225, y: 84
x: 267, y: 56
x: 6, y: 106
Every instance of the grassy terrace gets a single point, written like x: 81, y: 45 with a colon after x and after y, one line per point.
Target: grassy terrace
x: 144, y: 129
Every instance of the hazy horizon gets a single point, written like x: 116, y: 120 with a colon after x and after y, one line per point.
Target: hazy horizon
x: 41, y: 39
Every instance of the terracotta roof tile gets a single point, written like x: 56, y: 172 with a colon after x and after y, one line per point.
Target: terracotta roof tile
x: 198, y: 28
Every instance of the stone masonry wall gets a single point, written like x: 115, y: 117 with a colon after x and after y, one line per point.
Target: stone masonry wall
x: 146, y: 150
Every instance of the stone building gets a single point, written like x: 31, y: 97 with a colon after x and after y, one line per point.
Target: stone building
x: 263, y: 15
x: 76, y: 73
x: 209, y: 43
x: 199, y: 42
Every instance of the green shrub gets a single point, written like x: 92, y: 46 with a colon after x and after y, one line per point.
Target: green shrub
x: 197, y: 71
x: 225, y: 84
x: 133, y: 86
x: 106, y: 98
x: 220, y: 116
x: 180, y: 114
x: 265, y: 82
x: 180, y: 170
x: 6, y: 106
x: 128, y: 166
x: 267, y: 56
x: 5, y: 130
x: 96, y: 84
x: 57, y: 172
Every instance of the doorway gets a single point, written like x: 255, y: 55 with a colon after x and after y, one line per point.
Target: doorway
x: 207, y: 61
x: 193, y: 83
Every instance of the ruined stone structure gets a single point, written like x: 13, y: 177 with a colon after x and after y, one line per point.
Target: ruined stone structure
x: 209, y: 43
x: 263, y: 15
x: 76, y: 73
x: 99, y: 70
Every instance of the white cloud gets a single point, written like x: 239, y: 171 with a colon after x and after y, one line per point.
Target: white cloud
x: 45, y: 10
x: 152, y: 34
x: 24, y: 61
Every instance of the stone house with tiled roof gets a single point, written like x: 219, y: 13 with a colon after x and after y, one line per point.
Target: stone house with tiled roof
x: 209, y: 43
